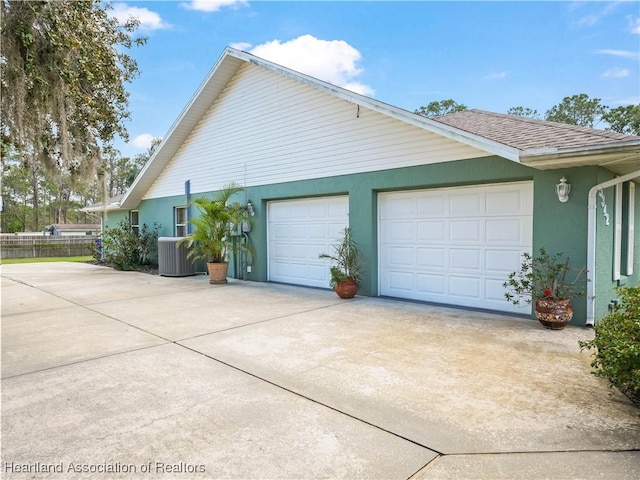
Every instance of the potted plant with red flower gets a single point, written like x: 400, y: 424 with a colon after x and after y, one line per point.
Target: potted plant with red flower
x: 551, y: 283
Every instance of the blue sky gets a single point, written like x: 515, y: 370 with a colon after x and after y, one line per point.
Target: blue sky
x: 486, y: 55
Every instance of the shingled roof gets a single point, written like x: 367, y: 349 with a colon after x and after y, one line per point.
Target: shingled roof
x: 528, y: 133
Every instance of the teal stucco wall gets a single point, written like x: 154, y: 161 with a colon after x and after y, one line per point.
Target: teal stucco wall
x: 113, y: 218
x: 558, y: 227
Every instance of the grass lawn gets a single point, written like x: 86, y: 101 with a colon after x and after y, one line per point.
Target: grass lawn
x: 9, y: 261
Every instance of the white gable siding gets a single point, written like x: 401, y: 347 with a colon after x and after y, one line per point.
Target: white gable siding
x: 265, y: 128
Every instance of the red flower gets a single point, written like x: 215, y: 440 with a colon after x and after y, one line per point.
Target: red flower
x: 547, y: 292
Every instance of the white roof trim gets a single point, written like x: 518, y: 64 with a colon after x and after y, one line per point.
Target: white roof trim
x: 209, y: 89
x: 614, y: 147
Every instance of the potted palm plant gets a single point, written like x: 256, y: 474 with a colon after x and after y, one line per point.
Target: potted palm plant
x: 548, y: 281
x: 346, y: 271
x: 213, y: 236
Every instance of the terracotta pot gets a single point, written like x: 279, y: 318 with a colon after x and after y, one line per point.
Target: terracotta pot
x: 346, y: 289
x: 217, y: 272
x: 554, y: 314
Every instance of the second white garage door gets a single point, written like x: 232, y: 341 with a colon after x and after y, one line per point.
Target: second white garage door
x: 300, y: 230
x: 454, y: 245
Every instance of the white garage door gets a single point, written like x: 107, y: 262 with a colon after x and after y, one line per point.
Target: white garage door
x: 300, y: 230
x: 454, y: 245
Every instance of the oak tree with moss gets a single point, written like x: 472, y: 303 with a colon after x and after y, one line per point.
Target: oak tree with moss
x: 64, y: 70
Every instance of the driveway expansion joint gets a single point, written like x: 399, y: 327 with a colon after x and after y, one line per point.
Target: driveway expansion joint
x: 298, y: 394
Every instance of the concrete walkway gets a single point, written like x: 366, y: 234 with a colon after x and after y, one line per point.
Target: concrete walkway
x: 111, y: 374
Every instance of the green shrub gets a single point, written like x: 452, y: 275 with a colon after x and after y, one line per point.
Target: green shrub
x: 617, y: 345
x: 95, y: 249
x: 125, y: 249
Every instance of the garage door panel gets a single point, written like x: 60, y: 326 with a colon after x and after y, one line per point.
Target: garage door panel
x: 293, y: 269
x: 298, y: 231
x: 505, y: 231
x: 314, y: 250
x: 299, y: 212
x: 494, y: 291
x: 315, y: 211
x: 465, y: 287
x: 295, y: 252
x: 434, y: 258
x: 316, y: 230
x: 467, y: 241
x: 400, y: 231
x: 318, y: 273
x: 465, y: 231
x: 294, y: 232
x: 431, y: 284
x: 281, y: 231
x: 338, y: 207
x: 399, y: 256
x: 505, y: 202
x: 503, y: 261
x: 335, y: 230
x: 429, y: 231
x: 400, y: 208
x: 469, y: 204
x: 401, y: 281
x: 465, y: 259
x: 432, y: 206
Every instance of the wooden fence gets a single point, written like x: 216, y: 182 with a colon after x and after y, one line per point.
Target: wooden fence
x: 13, y: 246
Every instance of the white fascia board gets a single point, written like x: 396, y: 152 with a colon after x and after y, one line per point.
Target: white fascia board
x: 192, y: 113
x: 102, y: 208
x: 397, y: 113
x: 538, y: 154
x: 206, y: 94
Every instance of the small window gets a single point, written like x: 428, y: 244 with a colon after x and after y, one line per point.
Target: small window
x: 181, y: 221
x: 629, y: 227
x: 135, y: 222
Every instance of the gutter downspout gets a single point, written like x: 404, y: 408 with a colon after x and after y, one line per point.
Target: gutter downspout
x: 591, y: 239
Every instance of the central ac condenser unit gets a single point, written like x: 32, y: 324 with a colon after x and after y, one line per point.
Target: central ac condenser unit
x: 172, y: 258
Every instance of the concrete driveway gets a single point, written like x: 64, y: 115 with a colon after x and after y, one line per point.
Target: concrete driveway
x: 111, y: 374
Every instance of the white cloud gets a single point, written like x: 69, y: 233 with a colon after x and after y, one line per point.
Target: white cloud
x: 588, y: 21
x: 616, y: 73
x: 598, y: 11
x: 213, y: 5
x: 334, y: 61
x: 241, y: 45
x: 143, y: 141
x: 620, y: 53
x: 149, y: 20
x: 496, y: 76
x: 634, y: 25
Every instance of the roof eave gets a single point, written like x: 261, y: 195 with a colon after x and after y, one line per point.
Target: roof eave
x: 405, y: 116
x: 194, y: 110
x: 102, y: 208
x: 600, y: 155
x: 175, y: 137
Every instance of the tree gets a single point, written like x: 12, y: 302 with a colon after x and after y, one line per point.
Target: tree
x: 443, y: 107
x: 63, y: 75
x: 577, y: 110
x: 523, y: 112
x: 122, y: 171
x: 624, y: 119
x: 16, y: 206
x: 141, y: 159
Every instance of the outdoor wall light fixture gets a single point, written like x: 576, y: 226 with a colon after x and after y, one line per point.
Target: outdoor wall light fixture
x: 250, y: 211
x: 562, y: 189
